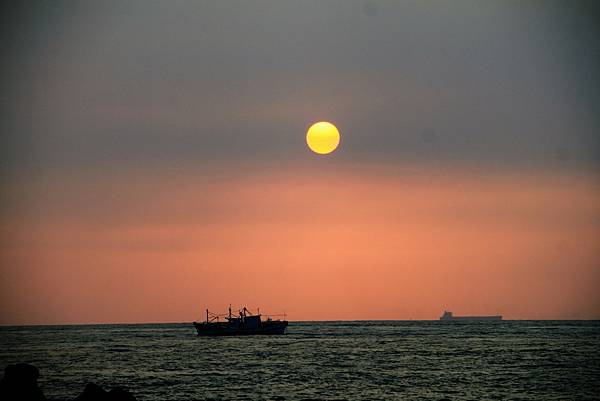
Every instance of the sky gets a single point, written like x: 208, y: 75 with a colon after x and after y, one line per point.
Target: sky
x: 154, y: 163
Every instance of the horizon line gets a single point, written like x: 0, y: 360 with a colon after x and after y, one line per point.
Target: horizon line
x: 291, y: 321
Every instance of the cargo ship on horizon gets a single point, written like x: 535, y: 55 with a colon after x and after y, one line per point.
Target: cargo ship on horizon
x: 449, y: 317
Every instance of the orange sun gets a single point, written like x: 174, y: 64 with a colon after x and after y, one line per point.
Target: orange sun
x: 323, y: 137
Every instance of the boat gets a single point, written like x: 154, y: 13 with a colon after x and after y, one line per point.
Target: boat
x: 448, y: 316
x: 243, y: 324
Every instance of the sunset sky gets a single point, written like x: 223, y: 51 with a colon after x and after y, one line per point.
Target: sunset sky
x: 154, y: 160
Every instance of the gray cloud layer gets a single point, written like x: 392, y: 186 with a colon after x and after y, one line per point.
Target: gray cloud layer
x: 104, y: 83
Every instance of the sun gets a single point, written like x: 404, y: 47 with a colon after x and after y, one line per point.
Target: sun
x: 322, y: 137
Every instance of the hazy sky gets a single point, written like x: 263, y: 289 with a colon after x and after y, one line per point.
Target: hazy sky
x: 493, y: 82
x: 152, y: 147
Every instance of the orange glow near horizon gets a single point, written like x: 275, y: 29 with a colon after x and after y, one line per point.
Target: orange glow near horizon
x: 362, y: 244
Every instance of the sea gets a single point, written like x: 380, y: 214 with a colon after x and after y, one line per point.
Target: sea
x: 354, y: 360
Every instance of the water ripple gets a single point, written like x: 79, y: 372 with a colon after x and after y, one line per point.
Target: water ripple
x: 518, y: 360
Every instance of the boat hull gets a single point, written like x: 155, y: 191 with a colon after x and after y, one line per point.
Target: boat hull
x: 224, y: 329
x: 471, y: 318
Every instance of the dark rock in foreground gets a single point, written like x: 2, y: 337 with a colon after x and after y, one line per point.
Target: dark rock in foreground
x: 20, y: 383
x: 93, y: 392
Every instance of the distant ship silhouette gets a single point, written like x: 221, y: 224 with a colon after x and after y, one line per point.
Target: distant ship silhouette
x: 448, y: 316
x: 244, y: 324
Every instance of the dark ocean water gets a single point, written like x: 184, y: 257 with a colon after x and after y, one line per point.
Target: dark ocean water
x: 404, y: 360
